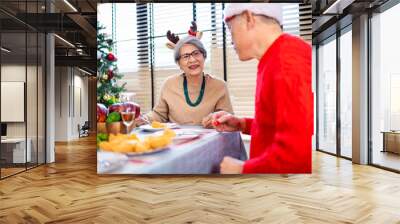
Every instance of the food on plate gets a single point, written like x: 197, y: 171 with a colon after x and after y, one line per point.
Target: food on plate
x: 143, y: 146
x: 158, y: 141
x: 101, y: 137
x: 156, y: 124
x: 131, y: 143
x: 121, y: 137
x: 169, y: 133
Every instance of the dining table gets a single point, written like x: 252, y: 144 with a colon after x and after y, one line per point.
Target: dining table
x: 195, y: 150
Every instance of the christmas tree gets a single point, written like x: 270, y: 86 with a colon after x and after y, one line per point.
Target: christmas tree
x: 108, y: 90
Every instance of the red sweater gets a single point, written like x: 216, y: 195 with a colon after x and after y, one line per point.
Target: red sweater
x: 282, y: 128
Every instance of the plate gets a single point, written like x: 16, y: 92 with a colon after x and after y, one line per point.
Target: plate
x: 149, y: 128
x: 185, y: 137
x: 146, y: 153
x: 186, y: 134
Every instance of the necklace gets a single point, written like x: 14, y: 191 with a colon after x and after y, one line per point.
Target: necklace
x: 199, y: 98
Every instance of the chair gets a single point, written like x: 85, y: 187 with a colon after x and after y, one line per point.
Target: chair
x: 84, y: 130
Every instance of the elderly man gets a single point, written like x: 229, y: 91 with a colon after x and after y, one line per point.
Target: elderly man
x: 282, y: 128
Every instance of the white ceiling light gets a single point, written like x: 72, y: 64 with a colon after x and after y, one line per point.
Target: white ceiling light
x: 337, y: 7
x: 65, y: 41
x: 70, y: 5
x: 5, y: 50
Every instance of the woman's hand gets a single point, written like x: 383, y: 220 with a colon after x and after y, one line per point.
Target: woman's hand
x: 141, y: 120
x: 224, y: 121
x: 207, y: 121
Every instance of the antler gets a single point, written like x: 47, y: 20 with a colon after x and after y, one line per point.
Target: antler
x: 193, y: 31
x: 193, y: 28
x: 172, y: 37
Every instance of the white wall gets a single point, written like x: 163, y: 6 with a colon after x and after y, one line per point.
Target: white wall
x: 71, y: 95
x: 16, y: 73
x: 33, y: 127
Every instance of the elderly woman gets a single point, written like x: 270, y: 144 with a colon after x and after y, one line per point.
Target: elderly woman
x: 190, y: 97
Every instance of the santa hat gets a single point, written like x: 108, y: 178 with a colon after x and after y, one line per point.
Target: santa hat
x: 273, y: 10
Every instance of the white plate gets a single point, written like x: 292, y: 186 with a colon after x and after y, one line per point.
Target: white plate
x: 185, y: 137
x: 149, y: 128
x: 146, y: 152
x: 183, y: 134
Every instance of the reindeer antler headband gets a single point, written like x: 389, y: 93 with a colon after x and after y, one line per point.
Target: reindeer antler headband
x: 173, y: 38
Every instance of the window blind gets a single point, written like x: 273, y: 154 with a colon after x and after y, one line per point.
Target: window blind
x: 167, y: 16
x: 132, y: 44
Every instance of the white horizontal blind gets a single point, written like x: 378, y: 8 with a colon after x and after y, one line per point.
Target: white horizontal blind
x: 167, y: 16
x: 126, y: 37
x: 160, y: 17
x: 291, y: 19
x: 209, y: 21
x: 104, y: 15
x: 306, y: 22
x: 132, y: 46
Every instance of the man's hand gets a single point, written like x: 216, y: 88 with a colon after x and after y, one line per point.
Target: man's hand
x: 207, y: 121
x: 230, y: 165
x: 224, y: 121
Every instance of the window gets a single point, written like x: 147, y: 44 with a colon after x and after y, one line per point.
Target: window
x: 327, y: 96
x: 131, y: 32
x: 161, y: 17
x: 385, y: 88
x: 22, y: 76
x: 346, y: 93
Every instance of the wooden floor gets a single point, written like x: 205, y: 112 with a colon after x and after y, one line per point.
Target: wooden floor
x: 387, y: 159
x: 70, y: 191
x: 10, y: 171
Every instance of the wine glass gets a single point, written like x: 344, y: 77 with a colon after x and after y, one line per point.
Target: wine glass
x: 128, y: 117
x: 128, y: 114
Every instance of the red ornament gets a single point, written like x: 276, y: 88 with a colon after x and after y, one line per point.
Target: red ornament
x: 110, y: 74
x: 111, y: 57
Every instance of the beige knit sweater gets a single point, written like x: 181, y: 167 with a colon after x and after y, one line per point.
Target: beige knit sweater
x: 172, y: 106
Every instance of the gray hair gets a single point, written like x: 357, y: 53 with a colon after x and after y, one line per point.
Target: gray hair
x: 189, y: 40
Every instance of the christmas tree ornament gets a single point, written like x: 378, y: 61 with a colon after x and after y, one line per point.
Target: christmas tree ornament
x: 106, y: 97
x: 111, y: 57
x: 108, y: 89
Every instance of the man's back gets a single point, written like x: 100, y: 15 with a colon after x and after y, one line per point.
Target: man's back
x: 283, y: 123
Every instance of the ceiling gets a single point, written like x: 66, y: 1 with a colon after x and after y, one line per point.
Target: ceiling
x: 74, y: 22
x: 328, y: 16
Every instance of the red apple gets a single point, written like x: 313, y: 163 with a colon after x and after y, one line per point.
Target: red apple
x: 120, y: 107
x: 133, y: 107
x: 102, y: 112
x: 116, y: 107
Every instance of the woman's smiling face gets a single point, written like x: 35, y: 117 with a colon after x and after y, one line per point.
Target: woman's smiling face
x: 191, y: 60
